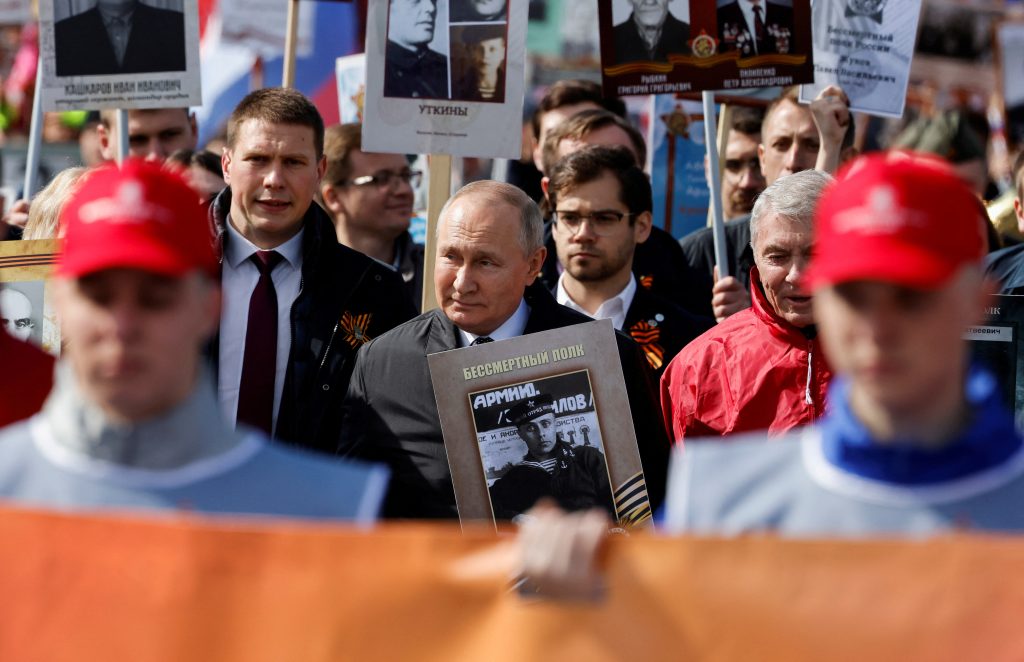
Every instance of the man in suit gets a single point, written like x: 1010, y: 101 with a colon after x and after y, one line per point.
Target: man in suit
x: 755, y: 27
x: 120, y: 37
x: 650, y: 33
x: 602, y: 211
x: 412, y: 69
x: 490, y: 251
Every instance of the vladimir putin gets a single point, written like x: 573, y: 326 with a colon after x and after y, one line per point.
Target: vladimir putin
x: 120, y: 37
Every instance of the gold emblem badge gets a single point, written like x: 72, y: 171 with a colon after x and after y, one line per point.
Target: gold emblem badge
x: 355, y: 327
x: 704, y: 45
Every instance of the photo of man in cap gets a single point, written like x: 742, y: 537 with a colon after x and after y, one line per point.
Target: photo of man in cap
x: 576, y: 477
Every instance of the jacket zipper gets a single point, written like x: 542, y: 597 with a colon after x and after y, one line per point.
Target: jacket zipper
x: 810, y: 361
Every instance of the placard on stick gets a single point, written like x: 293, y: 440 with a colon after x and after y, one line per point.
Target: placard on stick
x: 697, y: 45
x: 152, y: 64
x: 541, y: 415
x: 25, y: 297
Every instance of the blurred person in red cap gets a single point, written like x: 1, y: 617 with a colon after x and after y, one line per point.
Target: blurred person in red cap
x: 132, y: 421
x: 762, y: 368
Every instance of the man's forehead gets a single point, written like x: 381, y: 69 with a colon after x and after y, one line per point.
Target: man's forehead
x: 479, y: 221
x: 373, y: 161
x: 741, y: 144
x: 787, y: 116
x: 601, y: 191
x: 257, y: 133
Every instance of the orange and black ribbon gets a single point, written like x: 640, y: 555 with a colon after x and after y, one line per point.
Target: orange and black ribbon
x: 648, y: 336
x: 355, y: 327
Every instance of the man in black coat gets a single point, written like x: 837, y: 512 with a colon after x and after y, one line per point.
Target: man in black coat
x: 120, y: 37
x: 650, y: 33
x: 328, y: 300
x: 602, y: 211
x: 489, y: 254
x: 755, y: 27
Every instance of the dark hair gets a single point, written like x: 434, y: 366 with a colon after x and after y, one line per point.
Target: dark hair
x: 746, y: 119
x: 583, y: 123
x: 204, y: 159
x: 278, y: 105
x: 571, y: 92
x: 589, y: 163
x: 341, y: 140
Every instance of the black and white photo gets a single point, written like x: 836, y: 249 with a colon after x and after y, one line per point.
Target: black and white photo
x: 416, y: 65
x: 478, y: 63
x: 476, y: 11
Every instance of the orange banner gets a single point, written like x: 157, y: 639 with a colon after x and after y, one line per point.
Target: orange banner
x: 112, y: 588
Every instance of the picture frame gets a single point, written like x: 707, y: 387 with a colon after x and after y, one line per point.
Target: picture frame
x: 25, y: 293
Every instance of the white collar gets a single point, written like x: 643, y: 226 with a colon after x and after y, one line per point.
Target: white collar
x: 512, y: 328
x: 614, y: 308
x: 238, y: 249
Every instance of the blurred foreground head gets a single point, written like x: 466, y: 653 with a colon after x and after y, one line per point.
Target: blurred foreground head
x: 135, y: 288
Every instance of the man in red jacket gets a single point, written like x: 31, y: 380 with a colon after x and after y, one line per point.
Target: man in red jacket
x: 761, y: 368
x: 28, y: 376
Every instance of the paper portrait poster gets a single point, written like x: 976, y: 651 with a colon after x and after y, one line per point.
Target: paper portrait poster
x: 997, y: 343
x: 26, y: 306
x: 540, y: 416
x: 123, y: 54
x: 677, y: 46
x: 262, y: 26
x: 15, y: 12
x: 350, y: 73
x: 1010, y: 41
x: 678, y: 183
x: 445, y: 77
x: 866, y: 47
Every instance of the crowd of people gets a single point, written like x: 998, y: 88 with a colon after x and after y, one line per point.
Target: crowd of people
x: 244, y: 335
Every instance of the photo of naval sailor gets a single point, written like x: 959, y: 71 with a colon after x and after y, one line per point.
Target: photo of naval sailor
x: 548, y: 447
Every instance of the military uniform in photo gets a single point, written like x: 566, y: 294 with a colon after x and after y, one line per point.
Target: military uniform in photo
x: 758, y: 27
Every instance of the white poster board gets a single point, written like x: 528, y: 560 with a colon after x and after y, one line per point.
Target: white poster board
x: 444, y: 78
x: 350, y: 72
x: 261, y: 26
x: 154, y: 64
x: 15, y: 12
x: 866, y: 47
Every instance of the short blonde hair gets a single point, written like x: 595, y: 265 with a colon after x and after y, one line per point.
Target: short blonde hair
x: 44, y: 212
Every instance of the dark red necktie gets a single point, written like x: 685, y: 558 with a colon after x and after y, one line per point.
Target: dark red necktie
x: 758, y: 26
x: 259, y: 363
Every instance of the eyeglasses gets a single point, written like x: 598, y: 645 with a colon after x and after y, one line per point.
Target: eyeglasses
x: 387, y: 178
x: 601, y: 222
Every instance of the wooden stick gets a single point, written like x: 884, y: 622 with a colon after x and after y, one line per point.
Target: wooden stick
x: 440, y: 189
x: 122, y: 135
x: 288, y: 78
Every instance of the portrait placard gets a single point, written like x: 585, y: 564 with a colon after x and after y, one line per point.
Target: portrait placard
x: 866, y: 47
x: 26, y: 307
x: 999, y: 345
x: 1010, y: 50
x: 123, y: 54
x: 445, y: 77
x: 261, y: 26
x: 350, y: 74
x: 15, y: 12
x: 542, y: 415
x: 678, y: 46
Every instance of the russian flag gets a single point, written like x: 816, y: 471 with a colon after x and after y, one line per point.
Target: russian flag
x: 227, y: 69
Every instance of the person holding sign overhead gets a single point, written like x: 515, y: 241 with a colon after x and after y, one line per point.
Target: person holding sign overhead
x: 120, y: 37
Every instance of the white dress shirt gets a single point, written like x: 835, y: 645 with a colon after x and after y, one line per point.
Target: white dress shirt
x: 747, y: 7
x: 239, y: 278
x: 614, y: 308
x: 512, y: 328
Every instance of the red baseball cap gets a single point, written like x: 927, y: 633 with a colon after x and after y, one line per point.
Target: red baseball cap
x: 136, y: 215
x: 896, y: 217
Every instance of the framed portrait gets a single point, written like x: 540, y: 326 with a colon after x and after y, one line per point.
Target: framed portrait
x: 119, y: 54
x: 445, y: 77
x: 540, y: 416
x: 998, y: 344
x: 681, y: 46
x: 26, y: 309
x: 1010, y: 56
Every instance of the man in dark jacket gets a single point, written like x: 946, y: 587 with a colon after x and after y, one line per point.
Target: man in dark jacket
x: 490, y: 251
x: 297, y: 304
x: 411, y: 68
x: 650, y: 33
x: 602, y: 211
x: 120, y: 37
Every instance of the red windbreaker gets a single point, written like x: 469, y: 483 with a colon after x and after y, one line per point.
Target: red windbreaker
x: 25, y: 380
x: 754, y: 371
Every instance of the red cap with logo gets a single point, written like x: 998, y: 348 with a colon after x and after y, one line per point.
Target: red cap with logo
x: 137, y: 215
x: 898, y: 218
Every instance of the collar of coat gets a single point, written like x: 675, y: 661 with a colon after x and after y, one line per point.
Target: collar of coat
x: 779, y: 327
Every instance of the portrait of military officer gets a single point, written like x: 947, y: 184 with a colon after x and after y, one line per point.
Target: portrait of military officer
x: 575, y: 477
x: 755, y: 27
x: 474, y: 11
x: 120, y: 37
x: 412, y: 69
x: 650, y: 32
